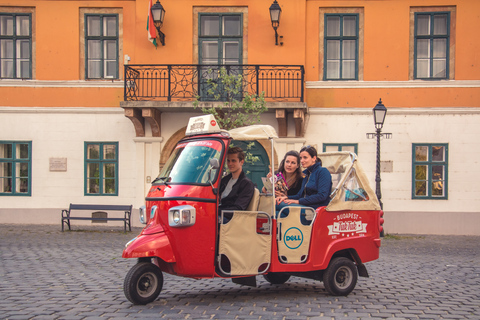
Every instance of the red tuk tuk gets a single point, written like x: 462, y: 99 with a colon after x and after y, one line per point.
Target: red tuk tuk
x: 184, y: 236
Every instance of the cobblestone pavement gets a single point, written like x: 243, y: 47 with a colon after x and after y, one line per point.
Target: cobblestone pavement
x: 47, y: 274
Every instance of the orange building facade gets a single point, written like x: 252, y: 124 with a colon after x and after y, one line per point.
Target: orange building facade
x: 90, y: 109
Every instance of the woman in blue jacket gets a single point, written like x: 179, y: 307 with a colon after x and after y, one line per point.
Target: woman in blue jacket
x: 316, y: 185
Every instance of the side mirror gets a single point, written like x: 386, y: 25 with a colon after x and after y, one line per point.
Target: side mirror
x: 214, y: 163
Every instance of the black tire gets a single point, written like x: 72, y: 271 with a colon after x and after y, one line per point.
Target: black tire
x: 276, y: 277
x: 340, y: 277
x: 143, y: 283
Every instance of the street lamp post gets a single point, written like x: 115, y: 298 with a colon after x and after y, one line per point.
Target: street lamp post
x: 379, y: 113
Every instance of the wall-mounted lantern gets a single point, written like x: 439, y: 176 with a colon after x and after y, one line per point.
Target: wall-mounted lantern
x: 158, y: 14
x: 275, y: 12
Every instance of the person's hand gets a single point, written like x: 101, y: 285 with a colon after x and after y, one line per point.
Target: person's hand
x: 290, y: 201
x: 280, y: 199
x: 269, y: 174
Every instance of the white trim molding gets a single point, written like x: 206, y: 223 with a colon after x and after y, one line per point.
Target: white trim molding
x: 61, y: 84
x: 62, y: 110
x: 392, y: 110
x: 392, y: 84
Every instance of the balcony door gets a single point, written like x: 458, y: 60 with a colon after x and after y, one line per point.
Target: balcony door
x: 220, y: 43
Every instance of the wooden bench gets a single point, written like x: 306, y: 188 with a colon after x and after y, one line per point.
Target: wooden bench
x: 67, y: 213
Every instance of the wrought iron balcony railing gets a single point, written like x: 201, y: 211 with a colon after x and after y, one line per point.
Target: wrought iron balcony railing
x: 187, y: 82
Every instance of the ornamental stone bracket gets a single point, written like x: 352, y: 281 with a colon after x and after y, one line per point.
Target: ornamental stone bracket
x: 282, y: 119
x: 138, y: 117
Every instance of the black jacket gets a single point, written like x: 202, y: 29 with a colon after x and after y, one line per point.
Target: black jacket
x: 240, y: 196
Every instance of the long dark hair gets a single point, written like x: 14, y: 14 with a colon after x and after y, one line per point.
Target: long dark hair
x: 311, y: 151
x: 298, y: 171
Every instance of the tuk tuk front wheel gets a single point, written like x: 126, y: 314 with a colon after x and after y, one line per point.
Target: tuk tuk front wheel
x: 143, y: 283
x: 340, y: 277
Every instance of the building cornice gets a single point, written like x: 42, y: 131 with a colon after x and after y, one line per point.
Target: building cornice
x: 395, y: 111
x: 392, y: 84
x: 61, y: 84
x: 62, y: 110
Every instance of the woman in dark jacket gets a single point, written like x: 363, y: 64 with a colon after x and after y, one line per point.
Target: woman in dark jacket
x: 316, y: 185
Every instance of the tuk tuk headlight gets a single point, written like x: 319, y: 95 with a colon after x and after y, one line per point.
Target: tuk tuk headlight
x: 142, y: 215
x: 181, y: 216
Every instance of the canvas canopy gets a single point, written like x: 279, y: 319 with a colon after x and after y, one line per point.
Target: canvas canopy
x: 253, y: 132
x: 351, y: 189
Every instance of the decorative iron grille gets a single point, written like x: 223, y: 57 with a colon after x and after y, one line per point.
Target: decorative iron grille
x: 187, y: 82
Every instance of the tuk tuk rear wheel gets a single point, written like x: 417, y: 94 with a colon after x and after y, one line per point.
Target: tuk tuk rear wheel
x: 340, y: 277
x: 276, y: 277
x: 143, y: 283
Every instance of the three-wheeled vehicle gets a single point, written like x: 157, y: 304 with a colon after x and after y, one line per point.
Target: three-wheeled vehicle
x: 185, y: 236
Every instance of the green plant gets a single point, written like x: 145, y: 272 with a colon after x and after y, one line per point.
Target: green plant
x: 239, y: 107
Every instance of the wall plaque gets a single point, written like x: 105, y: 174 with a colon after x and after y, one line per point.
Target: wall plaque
x: 58, y: 164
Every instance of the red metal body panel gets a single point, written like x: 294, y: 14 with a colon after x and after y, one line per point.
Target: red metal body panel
x: 333, y: 232
x: 152, y: 245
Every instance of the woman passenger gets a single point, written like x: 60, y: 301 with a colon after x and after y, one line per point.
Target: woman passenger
x: 289, y: 175
x: 316, y: 185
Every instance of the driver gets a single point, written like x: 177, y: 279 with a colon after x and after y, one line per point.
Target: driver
x: 236, y: 190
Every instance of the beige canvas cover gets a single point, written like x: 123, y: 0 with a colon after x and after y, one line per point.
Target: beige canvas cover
x: 242, y: 245
x: 296, y: 253
x: 253, y: 132
x: 347, y: 172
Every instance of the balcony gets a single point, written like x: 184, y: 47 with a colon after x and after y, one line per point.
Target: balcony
x: 187, y: 82
x: 151, y: 90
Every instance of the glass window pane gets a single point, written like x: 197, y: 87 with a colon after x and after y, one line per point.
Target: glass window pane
x: 110, y: 26
x: 23, y: 49
x: 93, y: 170
x: 94, y: 26
x: 110, y: 69
x: 439, y: 68
x: 110, y: 49
x: 94, y: 69
x: 5, y: 151
x: 420, y: 188
x: 333, y: 26
x: 349, y: 47
x: 421, y: 153
x: 420, y: 172
x: 109, y: 151
x: 22, y: 169
x: 6, y: 25
x: 6, y: 49
x: 109, y: 186
x: 94, y: 49
x: 423, y: 68
x: 350, y: 26
x: 438, y: 153
x: 210, y: 50
x: 7, y: 69
x: 423, y: 25
x: 23, y: 26
x: 348, y: 148
x: 423, y: 48
x: 6, y: 169
x: 93, y: 151
x: 331, y: 148
x: 209, y: 25
x: 333, y: 69
x: 93, y: 186
x: 21, y: 151
x: 109, y: 170
x: 23, y: 70
x: 21, y: 185
x: 348, y: 69
x: 5, y: 184
x: 333, y: 49
x: 440, y: 48
x: 440, y: 24
x: 231, y: 26
x: 231, y: 50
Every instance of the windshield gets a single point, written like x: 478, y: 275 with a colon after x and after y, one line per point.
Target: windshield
x: 190, y: 163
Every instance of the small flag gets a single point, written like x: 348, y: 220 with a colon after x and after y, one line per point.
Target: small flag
x: 152, y: 31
